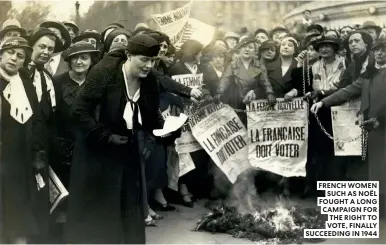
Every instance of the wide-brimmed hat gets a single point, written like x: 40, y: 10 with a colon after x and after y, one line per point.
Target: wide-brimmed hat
x: 267, y: 45
x: 379, y: 43
x: 71, y: 24
x: 113, y: 34
x: 12, y: 25
x: 276, y: 29
x: 216, y: 50
x: 143, y: 44
x: 41, y: 32
x: 245, y: 41
x: 365, y: 36
x: 15, y: 42
x: 311, y: 39
x: 108, y: 27
x: 87, y: 34
x: 80, y: 47
x: 261, y: 30
x: 323, y: 40
x: 315, y: 27
x: 63, y: 31
x: 232, y: 34
x: 371, y: 24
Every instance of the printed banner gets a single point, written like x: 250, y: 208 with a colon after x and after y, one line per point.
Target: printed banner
x: 173, y: 23
x: 223, y: 136
x: 346, y: 119
x: 199, y: 31
x: 178, y: 165
x: 278, y: 136
x: 190, y: 80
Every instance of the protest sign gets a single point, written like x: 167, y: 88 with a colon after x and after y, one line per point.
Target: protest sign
x: 173, y: 23
x: 223, y: 136
x: 190, y: 80
x: 346, y: 119
x: 278, y: 136
x: 199, y: 31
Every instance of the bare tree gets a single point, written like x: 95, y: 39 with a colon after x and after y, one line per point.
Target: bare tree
x: 32, y: 15
x: 5, y: 6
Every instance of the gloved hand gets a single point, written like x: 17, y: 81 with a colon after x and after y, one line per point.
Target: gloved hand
x: 371, y: 124
x: 314, y: 95
x: 118, y: 139
x: 175, y: 110
x: 290, y: 95
x: 249, y: 97
x: 271, y: 99
x: 217, y: 99
x: 39, y: 162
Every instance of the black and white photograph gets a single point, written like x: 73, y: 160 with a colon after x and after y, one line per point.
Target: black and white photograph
x: 192, y: 122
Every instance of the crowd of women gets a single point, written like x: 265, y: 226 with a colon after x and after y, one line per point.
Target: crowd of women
x: 86, y: 104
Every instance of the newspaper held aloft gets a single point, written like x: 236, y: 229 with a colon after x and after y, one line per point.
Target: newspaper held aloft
x: 278, y: 136
x: 173, y: 23
x: 223, y: 136
x: 346, y: 120
x: 57, y: 190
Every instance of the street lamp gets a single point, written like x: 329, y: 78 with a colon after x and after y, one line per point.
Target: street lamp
x: 77, y: 4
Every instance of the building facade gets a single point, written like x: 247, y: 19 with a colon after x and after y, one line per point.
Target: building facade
x: 336, y: 14
x: 226, y: 15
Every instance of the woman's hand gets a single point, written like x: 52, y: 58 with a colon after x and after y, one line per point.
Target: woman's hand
x: 249, y: 97
x: 196, y: 94
x: 316, y: 107
x: 371, y: 124
x: 290, y: 95
x: 271, y: 99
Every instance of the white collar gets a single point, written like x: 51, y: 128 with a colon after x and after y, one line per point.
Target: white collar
x: 134, y: 98
x: 16, y: 96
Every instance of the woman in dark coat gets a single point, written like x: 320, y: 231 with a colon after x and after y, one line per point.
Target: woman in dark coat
x: 24, y: 207
x: 108, y: 200
x: 193, y: 182
x: 279, y: 71
x: 371, y: 86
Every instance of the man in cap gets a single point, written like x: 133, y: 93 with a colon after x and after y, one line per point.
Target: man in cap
x: 56, y: 65
x: 231, y: 39
x: 11, y: 28
x: 278, y: 33
x: 72, y: 28
x: 306, y: 17
x: 108, y: 201
x: 371, y: 28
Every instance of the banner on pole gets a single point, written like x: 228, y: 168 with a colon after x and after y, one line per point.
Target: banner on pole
x: 346, y: 120
x: 278, y: 136
x: 173, y: 23
x: 223, y: 136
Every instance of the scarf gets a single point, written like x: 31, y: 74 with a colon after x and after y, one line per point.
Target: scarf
x: 16, y: 96
x: 324, y: 81
x: 41, y: 79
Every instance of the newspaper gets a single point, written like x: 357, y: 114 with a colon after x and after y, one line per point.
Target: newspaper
x: 346, y: 120
x: 223, y: 136
x: 278, y: 136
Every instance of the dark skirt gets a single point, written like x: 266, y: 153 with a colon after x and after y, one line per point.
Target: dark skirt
x: 106, y: 201
x: 156, y: 169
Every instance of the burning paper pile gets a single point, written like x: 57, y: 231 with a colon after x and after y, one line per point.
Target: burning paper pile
x: 276, y: 225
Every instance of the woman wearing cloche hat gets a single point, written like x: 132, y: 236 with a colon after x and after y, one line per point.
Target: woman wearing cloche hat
x: 108, y: 201
x: 24, y: 214
x: 81, y: 56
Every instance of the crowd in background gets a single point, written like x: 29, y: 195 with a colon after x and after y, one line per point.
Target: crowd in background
x: 67, y: 102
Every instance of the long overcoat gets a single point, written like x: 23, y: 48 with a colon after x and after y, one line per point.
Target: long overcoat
x: 373, y: 105
x: 106, y: 202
